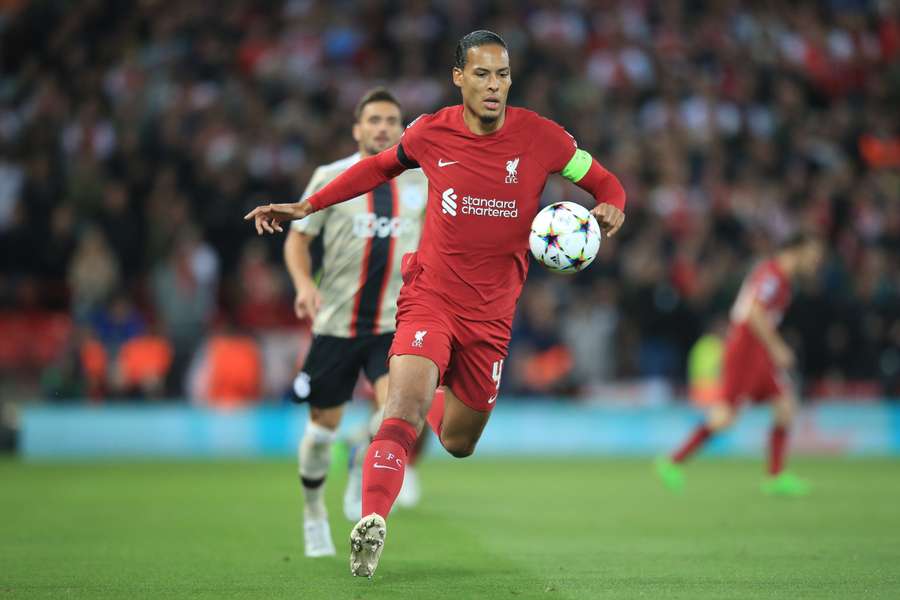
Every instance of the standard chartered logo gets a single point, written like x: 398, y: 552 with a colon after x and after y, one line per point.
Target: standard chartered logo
x: 478, y: 207
x: 370, y: 225
x: 448, y: 202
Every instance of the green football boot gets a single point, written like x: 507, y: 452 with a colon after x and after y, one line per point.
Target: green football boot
x: 669, y: 473
x: 785, y: 484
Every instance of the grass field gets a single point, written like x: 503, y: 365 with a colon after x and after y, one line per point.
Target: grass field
x: 487, y: 529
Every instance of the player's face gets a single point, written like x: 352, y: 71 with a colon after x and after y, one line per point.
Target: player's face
x: 379, y: 127
x: 485, y: 81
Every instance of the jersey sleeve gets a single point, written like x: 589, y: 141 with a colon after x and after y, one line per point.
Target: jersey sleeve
x: 312, y: 225
x: 553, y: 145
x: 409, y: 149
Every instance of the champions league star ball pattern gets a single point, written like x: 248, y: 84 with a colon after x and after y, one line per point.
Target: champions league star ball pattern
x: 564, y: 237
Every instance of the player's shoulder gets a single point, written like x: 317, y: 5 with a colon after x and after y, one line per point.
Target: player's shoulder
x: 333, y: 169
x: 443, y: 116
x: 339, y: 165
x: 769, y: 267
x: 546, y: 134
x: 526, y: 118
x: 767, y: 278
x: 759, y: 269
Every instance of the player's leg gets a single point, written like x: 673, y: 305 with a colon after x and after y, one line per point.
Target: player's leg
x: 780, y: 482
x: 738, y: 370
x: 783, y: 409
x: 457, y: 426
x: 314, y: 460
x: 462, y: 408
x: 419, y: 354
x: 668, y: 468
x: 376, y: 370
x: 411, y: 385
x: 326, y: 383
x: 411, y: 491
x: 374, y: 363
x: 314, y: 456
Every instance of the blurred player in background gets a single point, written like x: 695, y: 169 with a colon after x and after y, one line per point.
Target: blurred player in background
x: 354, y: 305
x: 757, y: 362
x: 487, y: 165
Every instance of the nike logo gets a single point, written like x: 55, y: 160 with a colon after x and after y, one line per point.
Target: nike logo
x: 443, y: 163
x: 377, y: 466
x: 492, y: 399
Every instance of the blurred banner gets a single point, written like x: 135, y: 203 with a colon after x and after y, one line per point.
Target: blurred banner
x: 516, y: 428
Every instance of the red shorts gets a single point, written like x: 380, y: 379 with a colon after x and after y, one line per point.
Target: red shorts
x: 469, y: 354
x: 749, y: 374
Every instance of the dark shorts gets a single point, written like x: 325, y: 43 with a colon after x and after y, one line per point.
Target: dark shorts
x: 333, y: 364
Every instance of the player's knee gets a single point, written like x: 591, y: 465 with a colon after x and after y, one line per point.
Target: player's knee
x: 784, y: 414
x: 459, y: 447
x: 721, y: 418
x: 329, y: 418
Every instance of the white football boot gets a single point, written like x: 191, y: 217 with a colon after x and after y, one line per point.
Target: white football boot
x: 410, y: 491
x: 317, y: 537
x: 366, y: 544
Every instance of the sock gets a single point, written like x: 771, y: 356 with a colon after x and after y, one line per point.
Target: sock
x: 436, y: 412
x: 384, y: 465
x: 700, y: 435
x: 777, y: 449
x: 314, y: 456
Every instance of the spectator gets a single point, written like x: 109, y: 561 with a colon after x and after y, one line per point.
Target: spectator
x: 93, y: 274
x: 730, y: 126
x: 227, y: 371
x: 185, y: 288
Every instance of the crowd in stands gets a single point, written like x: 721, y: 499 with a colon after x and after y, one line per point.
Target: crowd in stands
x: 135, y: 135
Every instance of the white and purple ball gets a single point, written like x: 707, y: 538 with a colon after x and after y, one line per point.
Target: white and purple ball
x: 564, y: 237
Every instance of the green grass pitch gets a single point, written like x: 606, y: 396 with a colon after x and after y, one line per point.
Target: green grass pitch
x: 553, y: 529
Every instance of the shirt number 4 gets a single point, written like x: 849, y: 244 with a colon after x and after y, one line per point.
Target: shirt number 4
x: 497, y: 373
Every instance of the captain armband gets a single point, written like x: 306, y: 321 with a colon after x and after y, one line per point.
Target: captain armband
x: 577, y: 166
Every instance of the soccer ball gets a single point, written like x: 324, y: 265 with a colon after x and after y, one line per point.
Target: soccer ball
x: 564, y: 237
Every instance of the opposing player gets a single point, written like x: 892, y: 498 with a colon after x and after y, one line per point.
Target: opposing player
x: 487, y: 165
x: 353, y: 307
x: 757, y: 360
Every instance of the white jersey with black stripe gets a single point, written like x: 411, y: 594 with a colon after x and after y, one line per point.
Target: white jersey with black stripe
x: 364, y: 240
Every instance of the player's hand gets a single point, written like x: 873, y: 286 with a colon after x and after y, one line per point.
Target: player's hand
x: 268, y: 218
x: 609, y: 218
x: 783, y: 357
x: 307, y: 302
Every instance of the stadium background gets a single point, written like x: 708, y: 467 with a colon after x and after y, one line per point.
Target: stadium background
x: 134, y: 135
x: 140, y: 317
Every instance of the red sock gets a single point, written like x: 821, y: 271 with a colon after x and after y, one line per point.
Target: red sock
x: 384, y: 465
x: 417, y: 449
x: 436, y: 412
x: 700, y: 435
x: 777, y: 448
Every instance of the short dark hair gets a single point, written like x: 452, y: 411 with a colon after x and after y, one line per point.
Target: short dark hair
x: 801, y: 238
x: 378, y: 94
x: 482, y: 37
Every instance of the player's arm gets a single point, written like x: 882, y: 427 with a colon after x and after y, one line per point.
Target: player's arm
x: 762, y: 328
x: 584, y: 171
x: 307, y: 299
x: 359, y: 179
x: 554, y: 149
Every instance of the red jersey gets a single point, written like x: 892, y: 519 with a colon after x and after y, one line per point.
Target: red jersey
x: 483, y: 193
x: 768, y: 285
